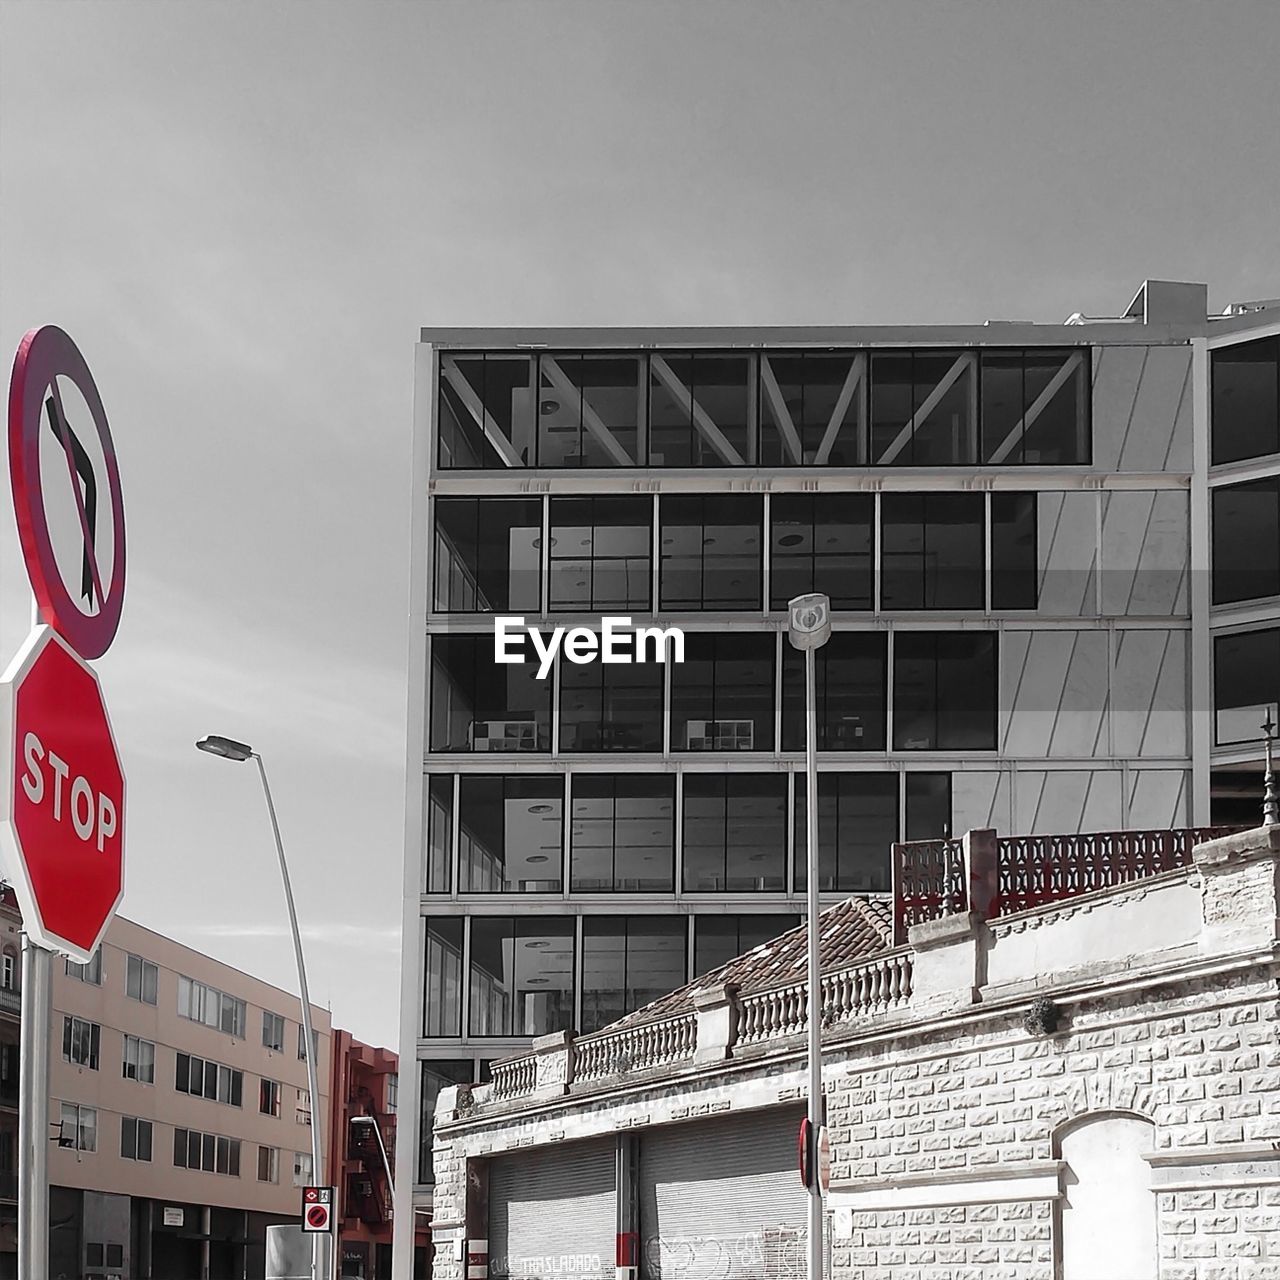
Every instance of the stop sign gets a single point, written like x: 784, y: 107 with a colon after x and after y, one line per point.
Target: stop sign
x: 62, y: 801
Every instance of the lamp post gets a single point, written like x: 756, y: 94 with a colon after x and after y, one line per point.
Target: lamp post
x: 1271, y: 793
x: 229, y: 749
x: 365, y: 1122
x: 809, y: 628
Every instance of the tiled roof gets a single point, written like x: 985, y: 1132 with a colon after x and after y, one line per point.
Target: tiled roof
x: 848, y: 932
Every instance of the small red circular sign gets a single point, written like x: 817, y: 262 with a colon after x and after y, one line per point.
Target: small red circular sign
x: 45, y: 356
x: 318, y: 1215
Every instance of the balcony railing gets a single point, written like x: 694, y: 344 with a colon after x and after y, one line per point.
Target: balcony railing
x: 10, y: 1001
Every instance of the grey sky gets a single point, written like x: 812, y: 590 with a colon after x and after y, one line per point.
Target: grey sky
x: 242, y: 213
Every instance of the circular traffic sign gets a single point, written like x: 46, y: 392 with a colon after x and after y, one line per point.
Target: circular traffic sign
x: 47, y: 357
x: 318, y: 1216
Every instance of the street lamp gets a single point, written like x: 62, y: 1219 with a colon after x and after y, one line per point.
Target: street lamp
x: 365, y: 1122
x: 809, y: 628
x: 229, y: 749
x: 1271, y: 793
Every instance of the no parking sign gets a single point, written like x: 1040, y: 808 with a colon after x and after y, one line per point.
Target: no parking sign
x: 317, y: 1209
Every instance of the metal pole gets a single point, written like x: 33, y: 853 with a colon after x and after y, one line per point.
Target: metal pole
x: 317, y: 1167
x: 815, y: 991
x: 386, y: 1164
x: 33, y: 1113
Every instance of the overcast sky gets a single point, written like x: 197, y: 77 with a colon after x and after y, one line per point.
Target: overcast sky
x: 243, y: 212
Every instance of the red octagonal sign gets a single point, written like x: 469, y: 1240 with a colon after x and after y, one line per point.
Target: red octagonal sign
x: 62, y: 807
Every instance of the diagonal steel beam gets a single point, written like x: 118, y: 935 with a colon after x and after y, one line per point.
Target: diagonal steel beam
x: 590, y: 418
x: 1039, y: 405
x: 857, y: 370
x: 773, y: 393
x: 701, y: 418
x: 484, y: 419
x: 932, y: 400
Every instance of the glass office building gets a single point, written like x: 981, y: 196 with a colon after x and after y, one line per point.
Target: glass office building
x: 1048, y: 548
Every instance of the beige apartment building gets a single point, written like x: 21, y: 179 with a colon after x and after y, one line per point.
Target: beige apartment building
x: 179, y: 1113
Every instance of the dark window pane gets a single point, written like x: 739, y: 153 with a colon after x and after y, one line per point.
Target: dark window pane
x: 600, y: 554
x: 479, y: 704
x: 611, y: 706
x: 711, y: 552
x: 486, y: 412
x: 735, y: 832
x: 923, y: 408
x: 851, y: 674
x: 1246, y: 400
x: 811, y: 409
x: 437, y: 1074
x: 933, y: 551
x: 944, y: 691
x: 1014, y: 570
x: 627, y: 962
x: 442, y: 988
x: 718, y: 939
x: 698, y: 410
x: 857, y: 825
x: 722, y: 694
x: 437, y: 835
x: 486, y: 557
x: 1055, y: 424
x: 1246, y: 541
x: 521, y: 981
x: 1246, y: 684
x: 822, y: 542
x: 928, y: 806
x: 623, y: 833
x: 589, y: 410
x: 509, y: 834
x: 1003, y: 404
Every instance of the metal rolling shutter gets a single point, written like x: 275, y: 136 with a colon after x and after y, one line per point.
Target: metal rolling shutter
x: 721, y: 1199
x: 552, y: 1211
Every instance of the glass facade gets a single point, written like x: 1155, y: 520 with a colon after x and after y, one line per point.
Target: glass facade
x: 822, y: 542
x: 1246, y: 541
x: 479, y: 704
x: 627, y: 962
x: 623, y: 833
x: 510, y: 833
x: 735, y: 832
x: 1245, y: 391
x: 520, y: 979
x: 1246, y: 683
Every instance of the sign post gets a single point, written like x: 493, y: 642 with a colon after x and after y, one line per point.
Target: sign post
x: 61, y: 782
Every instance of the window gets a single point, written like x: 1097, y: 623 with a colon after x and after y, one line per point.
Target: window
x: 437, y: 1074
x: 1246, y: 684
x: 923, y: 408
x: 1014, y: 568
x: 442, y: 989
x: 1245, y: 381
x: 437, y: 835
x: 933, y: 553
x: 627, y: 962
x: 1035, y: 408
x: 711, y: 552
x: 141, y: 980
x: 301, y: 1169
x: 203, y: 1079
x: 272, y: 1031
x: 302, y: 1043
x: 944, y: 691
x: 268, y: 1164
x: 699, y: 410
x: 600, y: 553
x: 90, y: 973
x: 735, y: 832
x: 1246, y: 541
x: 718, y: 939
x: 928, y: 806
x: 80, y: 1042
x: 722, y: 694
x: 510, y: 834
x: 521, y: 980
x: 857, y: 824
x: 207, y: 1152
x: 9, y: 971
x: 822, y: 542
x: 79, y: 1127
x: 212, y: 1007
x: 486, y: 412
x: 611, y: 707
x: 478, y: 704
x: 623, y: 833
x: 486, y: 555
x: 590, y: 408
x: 302, y: 1111
x: 269, y: 1097
x: 139, y: 1060
x: 392, y: 1099
x: 812, y: 409
x: 851, y: 674
x: 135, y: 1139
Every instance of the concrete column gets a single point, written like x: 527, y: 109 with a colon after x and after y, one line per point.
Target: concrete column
x: 981, y: 870
x: 949, y: 965
x: 1240, y: 890
x: 553, y: 1064
x: 717, y: 1028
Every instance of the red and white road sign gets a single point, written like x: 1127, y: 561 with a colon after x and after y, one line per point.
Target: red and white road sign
x: 317, y: 1209
x: 62, y: 804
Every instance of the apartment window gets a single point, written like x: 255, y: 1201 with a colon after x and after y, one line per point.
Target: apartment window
x: 487, y: 412
x: 135, y: 1139
x: 203, y: 1079
x: 206, y: 1152
x: 90, y: 972
x: 139, y: 1060
x: 214, y: 1008
x: 1246, y: 684
x: 623, y: 833
x: 272, y: 1031
x: 302, y: 1043
x: 436, y: 1074
x: 857, y: 824
x: 722, y: 694
x: 590, y: 408
x: 437, y: 834
x: 521, y: 979
x: 79, y: 1127
x: 442, y: 989
x: 141, y: 980
x: 392, y: 1099
x: 1246, y: 541
x: 944, y: 691
x: 510, y: 833
x: 80, y: 1042
x: 822, y: 542
x: 600, y: 553
x: 735, y: 832
x: 269, y: 1097
x: 923, y: 408
x: 1035, y: 408
x: 1014, y: 568
x: 718, y: 939
x: 487, y: 555
x: 627, y: 962
x: 928, y: 806
x: 851, y: 674
x: 933, y: 552
x: 812, y: 409
x: 479, y: 704
x: 301, y: 1169
x: 699, y: 410
x: 711, y: 552
x: 611, y: 706
x: 9, y: 971
x: 269, y: 1164
x: 1245, y: 382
